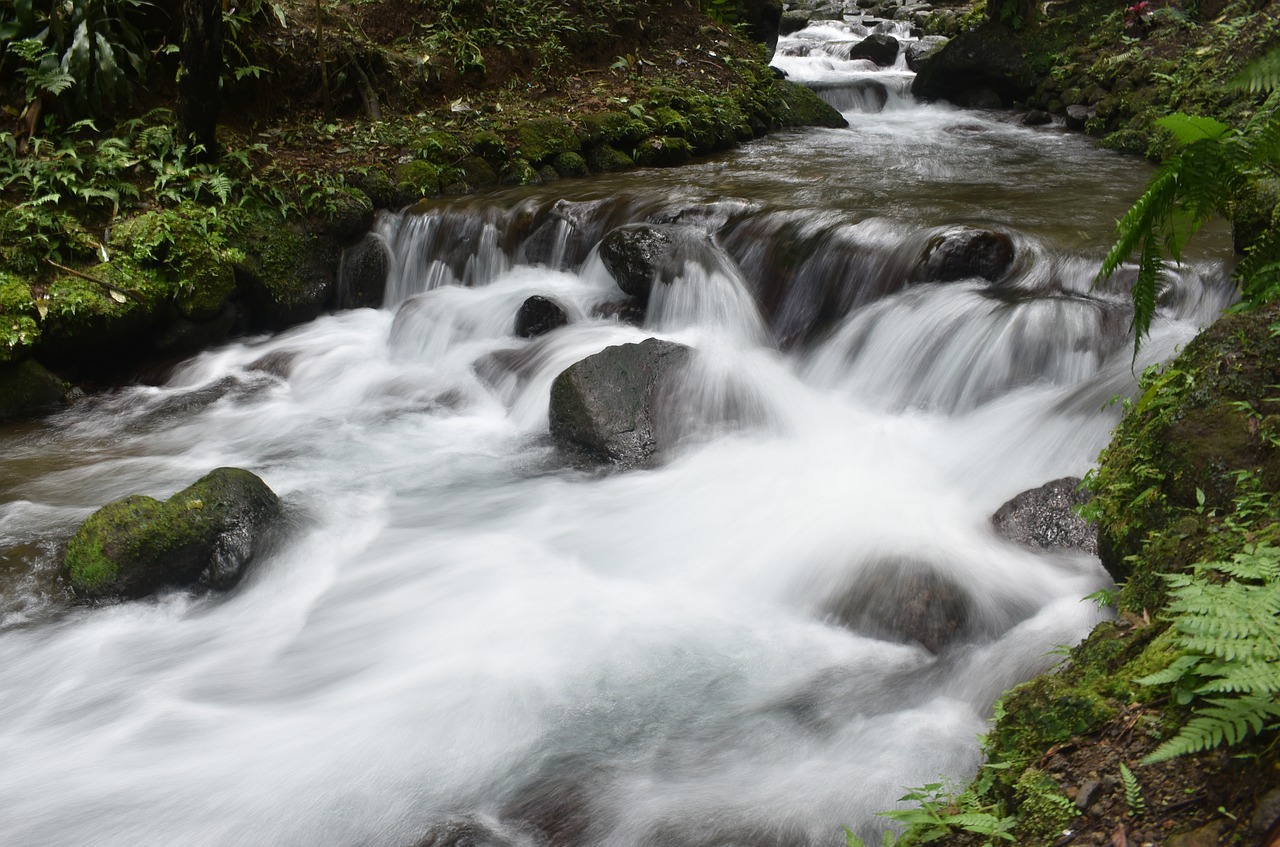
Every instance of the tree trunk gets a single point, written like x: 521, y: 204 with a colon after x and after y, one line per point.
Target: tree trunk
x: 200, y: 67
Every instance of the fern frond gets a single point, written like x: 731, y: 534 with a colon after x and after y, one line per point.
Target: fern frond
x: 1262, y: 74
x: 1147, y: 210
x: 1181, y: 667
x: 1230, y: 720
x: 1188, y: 128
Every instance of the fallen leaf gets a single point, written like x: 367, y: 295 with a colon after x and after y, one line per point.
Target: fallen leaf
x: 117, y: 296
x: 1119, y: 838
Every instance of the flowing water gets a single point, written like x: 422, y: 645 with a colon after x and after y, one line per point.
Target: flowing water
x: 459, y: 626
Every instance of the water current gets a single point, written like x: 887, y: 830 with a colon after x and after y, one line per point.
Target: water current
x: 460, y: 628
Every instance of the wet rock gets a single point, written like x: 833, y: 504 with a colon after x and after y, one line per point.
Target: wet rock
x: 906, y: 601
x: 609, y: 405
x: 1077, y: 116
x: 1209, y: 835
x: 182, y: 337
x: 920, y: 53
x: 629, y: 311
x: 964, y: 252
x: 878, y: 47
x: 979, y: 98
x: 793, y: 21
x: 288, y: 277
x: 558, y: 808
x: 469, y: 831
x: 362, y: 274
x: 1036, y: 117
x: 986, y: 57
x: 1267, y: 813
x: 205, y: 534
x: 538, y: 316
x: 1089, y: 790
x: 637, y: 255
x: 1045, y: 518
x: 28, y: 390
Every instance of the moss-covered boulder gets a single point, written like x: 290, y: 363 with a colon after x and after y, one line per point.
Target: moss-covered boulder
x: 615, y: 128
x: 605, y: 158
x: 28, y: 389
x: 289, y: 274
x: 103, y: 316
x: 204, y: 535
x: 1198, y: 446
x: 988, y: 58
x: 537, y: 141
x: 663, y: 152
x: 800, y: 106
x: 570, y: 165
x: 609, y: 406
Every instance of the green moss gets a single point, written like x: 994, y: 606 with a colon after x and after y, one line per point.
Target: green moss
x: 185, y: 248
x: 27, y: 390
x: 663, y: 152
x: 1043, y: 810
x: 420, y: 178
x: 477, y: 172
x: 801, y: 106
x: 539, y: 140
x: 519, y: 172
x: 440, y: 148
x: 613, y: 128
x: 19, y: 329
x: 604, y: 158
x: 488, y: 144
x: 570, y: 165
x: 93, y: 553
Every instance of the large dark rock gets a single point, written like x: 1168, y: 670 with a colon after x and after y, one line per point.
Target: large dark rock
x: 28, y: 390
x: 1045, y: 518
x: 963, y: 252
x: 920, y: 53
x: 793, y: 20
x: 205, y: 534
x: 988, y: 57
x: 907, y: 601
x: 878, y: 47
x: 638, y: 254
x: 609, y: 405
x: 362, y: 273
x: 468, y: 831
x: 538, y: 316
x: 288, y: 277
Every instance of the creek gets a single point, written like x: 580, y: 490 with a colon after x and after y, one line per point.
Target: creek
x: 459, y: 628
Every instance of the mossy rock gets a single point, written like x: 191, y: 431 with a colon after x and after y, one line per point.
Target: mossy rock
x: 664, y: 152
x: 570, y: 165
x: 477, y: 172
x: 668, y: 121
x: 347, y: 214
x: 90, y: 324
x: 417, y: 179
x: 488, y: 144
x: 205, y: 534
x: 801, y: 106
x: 378, y: 186
x: 539, y: 140
x: 440, y: 148
x: 615, y: 128
x: 28, y: 390
x: 605, y: 158
x: 180, y: 247
x: 288, y: 277
x: 519, y: 172
x: 19, y: 324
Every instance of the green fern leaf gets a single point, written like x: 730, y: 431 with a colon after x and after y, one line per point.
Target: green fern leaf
x: 1188, y: 128
x: 1262, y: 74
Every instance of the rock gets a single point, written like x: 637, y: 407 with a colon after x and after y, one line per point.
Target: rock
x: 638, y: 254
x: 878, y: 47
x: 979, y: 98
x: 761, y: 19
x: 28, y: 390
x: 1087, y: 794
x: 1267, y: 813
x: 1209, y: 835
x: 963, y: 252
x: 362, y: 273
x: 467, y: 831
x: 288, y: 277
x: 205, y: 534
x: 556, y: 806
x: 1036, y: 117
x: 920, y: 53
x: 1077, y: 116
x: 986, y: 57
x: 181, y: 337
x: 608, y: 405
x: 906, y: 601
x: 1045, y: 518
x: 801, y: 106
x: 538, y: 316
x: 792, y: 21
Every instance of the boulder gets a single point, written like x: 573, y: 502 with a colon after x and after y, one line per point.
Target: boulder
x: 28, y: 390
x: 362, y: 273
x: 963, y: 252
x: 1036, y: 117
x: 989, y: 57
x: 793, y: 20
x: 1045, y: 518
x: 204, y: 535
x: 538, y: 316
x: 1077, y: 116
x: 468, y: 831
x: 878, y: 47
x: 906, y: 601
x: 608, y: 406
x: 920, y: 53
x: 637, y: 254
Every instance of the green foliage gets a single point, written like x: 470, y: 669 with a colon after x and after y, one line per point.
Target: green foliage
x: 1132, y: 792
x: 1226, y: 617
x: 1214, y: 167
x: 91, y: 50
x: 941, y: 810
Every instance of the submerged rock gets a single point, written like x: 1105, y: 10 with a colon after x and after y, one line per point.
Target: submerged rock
x: 28, y: 390
x: 964, y: 252
x: 1045, y: 518
x: 205, y: 534
x: 608, y: 405
x: 907, y: 601
x: 538, y: 316
x: 469, y: 831
x: 638, y: 254
x: 362, y: 273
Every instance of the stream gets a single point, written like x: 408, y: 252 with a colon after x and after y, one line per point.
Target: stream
x: 463, y: 639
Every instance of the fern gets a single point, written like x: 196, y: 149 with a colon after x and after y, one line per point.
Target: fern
x: 1132, y: 792
x: 1226, y: 619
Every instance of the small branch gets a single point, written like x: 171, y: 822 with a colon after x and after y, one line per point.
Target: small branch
x: 365, y: 86
x: 122, y: 291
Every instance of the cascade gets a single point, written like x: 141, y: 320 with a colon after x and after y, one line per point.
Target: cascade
x: 461, y: 635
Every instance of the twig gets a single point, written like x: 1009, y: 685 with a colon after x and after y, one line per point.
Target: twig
x: 125, y: 292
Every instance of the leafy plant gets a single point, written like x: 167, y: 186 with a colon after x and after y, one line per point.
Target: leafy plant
x: 1132, y: 792
x: 941, y: 811
x: 1226, y: 620
x: 1215, y: 167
